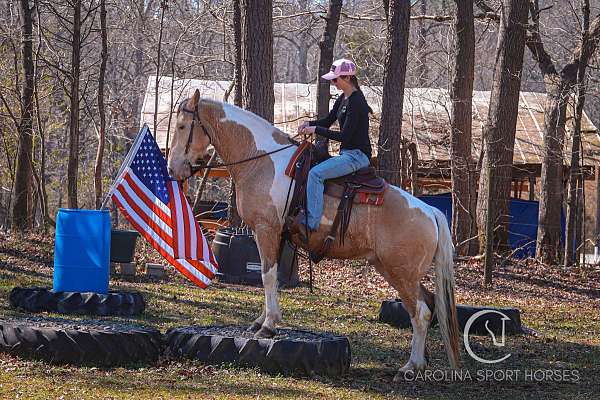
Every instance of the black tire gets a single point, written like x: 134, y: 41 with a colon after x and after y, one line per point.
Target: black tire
x: 290, y: 352
x: 80, y: 342
x: 37, y: 299
x: 393, y: 313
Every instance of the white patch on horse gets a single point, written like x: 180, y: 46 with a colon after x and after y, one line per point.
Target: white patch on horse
x: 262, y: 131
x: 413, y: 202
x: 419, y: 323
x: 272, y: 311
x: 326, y: 221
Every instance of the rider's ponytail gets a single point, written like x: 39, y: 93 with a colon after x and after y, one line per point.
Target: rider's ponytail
x: 354, y: 82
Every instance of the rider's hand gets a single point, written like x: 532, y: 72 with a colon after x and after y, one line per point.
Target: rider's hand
x: 309, y: 130
x: 302, y: 126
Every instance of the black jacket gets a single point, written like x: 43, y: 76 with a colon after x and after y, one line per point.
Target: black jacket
x: 353, y: 115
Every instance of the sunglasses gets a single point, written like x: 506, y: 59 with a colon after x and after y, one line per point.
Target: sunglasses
x: 334, y: 80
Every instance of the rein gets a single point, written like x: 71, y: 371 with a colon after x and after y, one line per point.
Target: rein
x: 196, y: 168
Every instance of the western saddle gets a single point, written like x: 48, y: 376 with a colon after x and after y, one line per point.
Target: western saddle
x: 362, y: 187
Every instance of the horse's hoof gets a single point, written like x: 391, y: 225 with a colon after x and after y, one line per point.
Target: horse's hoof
x: 254, y: 327
x: 409, y: 371
x: 265, y: 333
x: 402, y: 376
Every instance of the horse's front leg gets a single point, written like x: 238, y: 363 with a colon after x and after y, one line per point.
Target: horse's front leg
x: 267, y: 240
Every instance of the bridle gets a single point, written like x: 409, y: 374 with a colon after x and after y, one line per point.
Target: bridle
x: 196, y: 120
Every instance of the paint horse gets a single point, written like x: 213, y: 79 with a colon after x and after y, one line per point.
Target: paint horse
x: 401, y: 238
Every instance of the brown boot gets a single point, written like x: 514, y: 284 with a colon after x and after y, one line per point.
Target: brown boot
x: 299, y: 227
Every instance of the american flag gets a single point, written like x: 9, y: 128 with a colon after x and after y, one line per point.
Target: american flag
x: 156, y: 206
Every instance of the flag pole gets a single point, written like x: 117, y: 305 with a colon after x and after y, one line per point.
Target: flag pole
x: 132, y: 150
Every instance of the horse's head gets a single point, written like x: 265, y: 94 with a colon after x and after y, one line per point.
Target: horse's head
x: 190, y: 141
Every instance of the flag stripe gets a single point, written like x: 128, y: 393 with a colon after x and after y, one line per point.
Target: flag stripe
x: 192, y: 273
x: 137, y: 219
x: 149, y: 195
x: 193, y: 231
x: 203, y: 283
x: 155, y: 205
x: 129, y: 193
x: 194, y: 270
x: 178, y: 244
x: 186, y: 225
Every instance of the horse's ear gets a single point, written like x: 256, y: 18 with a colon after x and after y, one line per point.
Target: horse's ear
x: 195, y: 99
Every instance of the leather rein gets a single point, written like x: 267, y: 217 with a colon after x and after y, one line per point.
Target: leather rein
x: 198, y: 167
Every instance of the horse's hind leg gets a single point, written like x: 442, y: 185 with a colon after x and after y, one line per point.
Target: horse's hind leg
x: 415, y: 300
x: 268, y: 247
x: 418, y: 302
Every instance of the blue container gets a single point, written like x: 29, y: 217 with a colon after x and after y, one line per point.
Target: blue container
x: 82, y: 251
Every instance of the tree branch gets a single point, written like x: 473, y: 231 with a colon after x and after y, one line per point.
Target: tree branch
x: 535, y: 44
x: 437, y: 18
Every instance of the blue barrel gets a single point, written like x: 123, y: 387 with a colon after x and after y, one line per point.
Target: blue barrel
x: 82, y: 251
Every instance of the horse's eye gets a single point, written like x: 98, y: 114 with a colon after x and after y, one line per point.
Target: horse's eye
x: 181, y: 126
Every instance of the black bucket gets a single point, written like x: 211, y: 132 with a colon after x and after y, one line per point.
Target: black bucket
x: 122, y: 245
x: 239, y: 261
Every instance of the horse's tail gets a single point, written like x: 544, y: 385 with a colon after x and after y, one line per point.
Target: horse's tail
x: 445, y: 305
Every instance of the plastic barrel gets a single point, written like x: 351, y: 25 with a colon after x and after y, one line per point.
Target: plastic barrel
x: 82, y: 251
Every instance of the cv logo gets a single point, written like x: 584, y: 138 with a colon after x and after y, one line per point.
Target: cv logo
x: 495, y: 341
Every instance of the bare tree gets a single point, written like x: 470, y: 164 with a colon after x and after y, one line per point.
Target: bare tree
x: 559, y: 86
x: 464, y: 197
x: 576, y: 177
x: 22, y: 192
x: 257, y: 57
x: 73, y: 164
x: 499, y: 131
x: 101, y: 108
x: 390, y: 128
x: 233, y: 217
x: 326, y: 45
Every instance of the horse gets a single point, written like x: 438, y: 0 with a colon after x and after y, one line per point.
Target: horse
x: 402, y: 238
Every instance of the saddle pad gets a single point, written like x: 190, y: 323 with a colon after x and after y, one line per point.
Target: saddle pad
x: 291, y: 167
x: 370, y: 198
x: 361, y: 197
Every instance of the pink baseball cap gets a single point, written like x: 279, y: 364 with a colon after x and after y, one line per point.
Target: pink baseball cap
x: 340, y: 67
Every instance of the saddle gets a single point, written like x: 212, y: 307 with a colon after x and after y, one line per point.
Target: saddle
x: 362, y: 187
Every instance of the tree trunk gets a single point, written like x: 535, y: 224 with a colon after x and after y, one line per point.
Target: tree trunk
x: 257, y: 57
x: 303, y: 73
x: 499, y: 131
x: 576, y: 179
x: 326, y: 46
x: 558, y: 90
x: 422, y: 69
x: 390, y: 127
x: 73, y: 164
x: 233, y: 217
x: 464, y: 195
x: 163, y: 9
x: 101, y: 110
x: 548, y: 249
x: 22, y: 189
x: 237, y: 42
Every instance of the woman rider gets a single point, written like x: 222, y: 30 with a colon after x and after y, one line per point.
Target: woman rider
x: 352, y: 112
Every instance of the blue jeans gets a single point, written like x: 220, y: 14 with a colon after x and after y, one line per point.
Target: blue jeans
x: 347, y: 162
